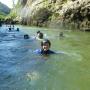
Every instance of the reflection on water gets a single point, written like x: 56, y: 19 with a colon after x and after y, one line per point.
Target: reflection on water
x: 20, y: 69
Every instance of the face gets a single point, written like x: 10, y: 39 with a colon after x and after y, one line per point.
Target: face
x: 45, y: 46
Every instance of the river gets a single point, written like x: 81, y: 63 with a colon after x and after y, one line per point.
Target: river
x: 21, y: 69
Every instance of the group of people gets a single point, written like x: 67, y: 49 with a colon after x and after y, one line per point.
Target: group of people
x: 11, y: 28
x: 45, y: 45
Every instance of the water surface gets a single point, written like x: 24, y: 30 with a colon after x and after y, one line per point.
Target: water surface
x: 21, y: 69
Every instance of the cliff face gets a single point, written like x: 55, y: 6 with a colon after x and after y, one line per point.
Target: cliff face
x: 45, y: 12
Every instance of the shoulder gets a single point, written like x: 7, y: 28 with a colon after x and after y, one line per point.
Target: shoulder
x: 51, y: 52
x: 37, y: 51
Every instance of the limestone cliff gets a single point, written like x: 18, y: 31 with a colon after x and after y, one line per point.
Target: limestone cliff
x: 45, y: 12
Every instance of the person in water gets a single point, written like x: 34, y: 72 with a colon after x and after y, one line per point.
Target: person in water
x: 17, y: 29
x: 61, y: 34
x: 39, y: 35
x: 45, y: 48
x: 38, y: 32
x: 26, y: 36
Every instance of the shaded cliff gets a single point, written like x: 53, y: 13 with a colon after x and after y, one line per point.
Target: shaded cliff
x: 54, y: 12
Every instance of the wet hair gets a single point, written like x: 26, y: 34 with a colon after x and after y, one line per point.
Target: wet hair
x: 17, y: 29
x: 45, y: 41
x: 10, y: 29
x: 26, y: 36
x: 61, y: 34
x: 40, y: 35
x: 38, y: 32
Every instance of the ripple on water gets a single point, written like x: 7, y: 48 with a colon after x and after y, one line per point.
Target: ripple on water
x: 33, y: 77
x: 75, y: 56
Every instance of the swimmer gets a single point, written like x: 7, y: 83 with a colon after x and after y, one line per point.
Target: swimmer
x: 45, y: 48
x: 39, y: 35
x: 26, y: 36
x: 61, y: 34
x: 17, y: 29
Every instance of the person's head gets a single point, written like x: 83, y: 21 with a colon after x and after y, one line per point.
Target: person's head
x: 38, y: 32
x: 61, y: 34
x: 45, y: 44
x: 40, y: 35
x: 26, y: 36
x: 17, y: 29
x: 9, y: 28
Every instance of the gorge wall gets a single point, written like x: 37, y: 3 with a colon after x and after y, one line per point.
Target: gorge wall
x: 54, y: 12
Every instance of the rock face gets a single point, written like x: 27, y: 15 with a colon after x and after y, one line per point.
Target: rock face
x: 51, y: 12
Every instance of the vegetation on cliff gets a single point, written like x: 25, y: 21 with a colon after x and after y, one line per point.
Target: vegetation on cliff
x: 44, y: 12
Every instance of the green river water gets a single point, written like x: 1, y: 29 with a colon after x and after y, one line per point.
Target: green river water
x: 23, y: 70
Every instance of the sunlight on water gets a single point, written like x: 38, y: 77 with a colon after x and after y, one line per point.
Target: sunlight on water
x: 32, y: 77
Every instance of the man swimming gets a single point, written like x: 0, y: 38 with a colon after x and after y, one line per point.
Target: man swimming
x: 45, y: 48
x: 39, y: 35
